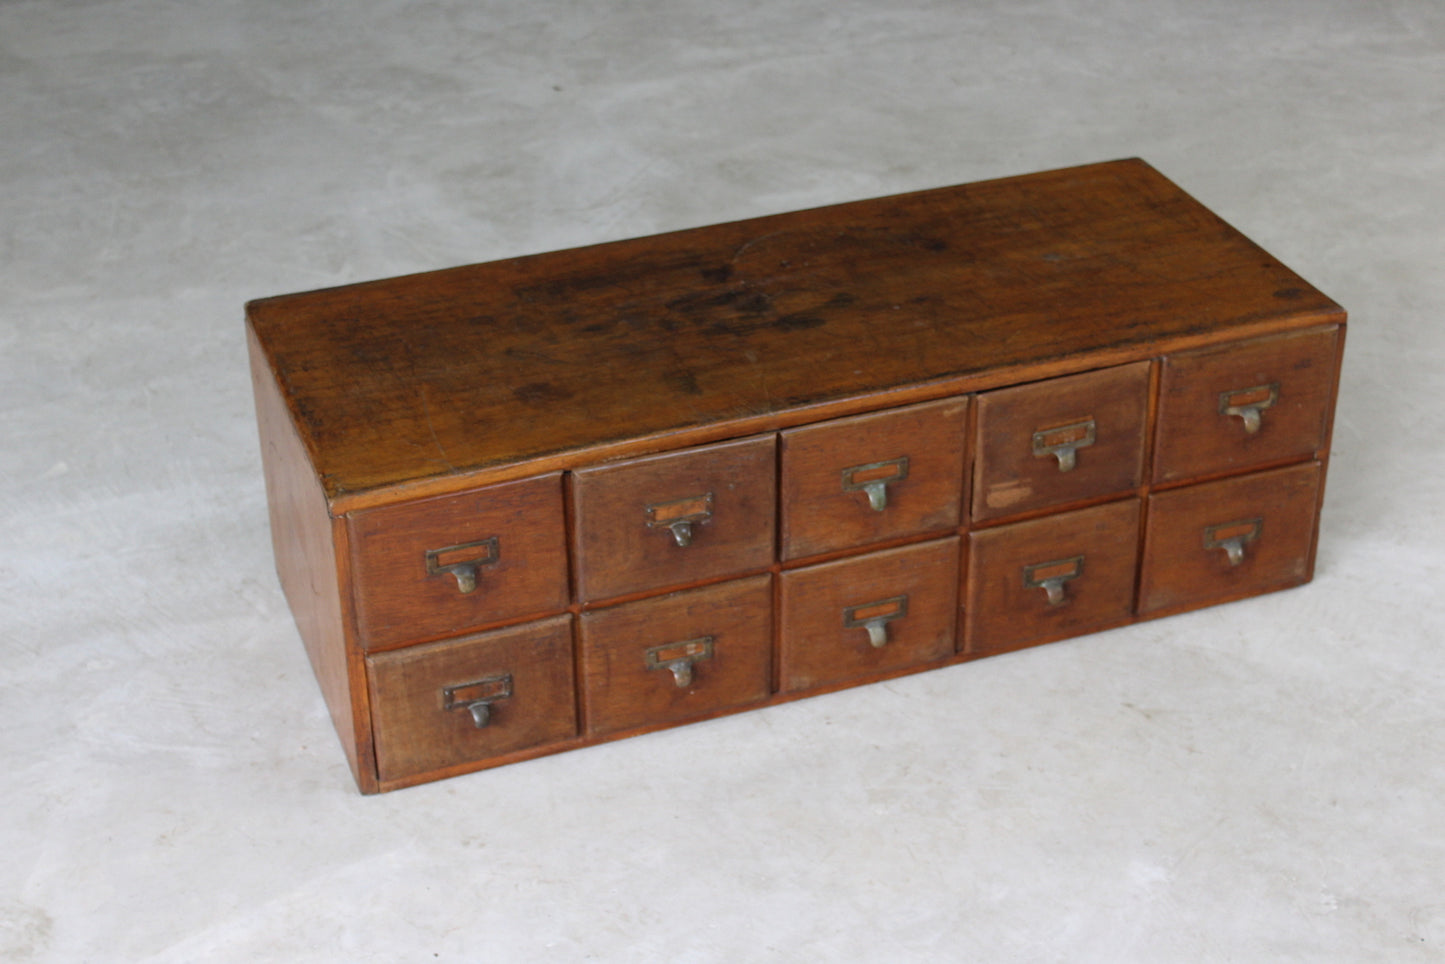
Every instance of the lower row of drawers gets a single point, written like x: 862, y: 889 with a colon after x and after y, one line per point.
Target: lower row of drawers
x: 698, y: 652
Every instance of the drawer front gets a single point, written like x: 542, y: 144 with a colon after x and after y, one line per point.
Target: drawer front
x: 1059, y: 441
x: 1223, y: 540
x: 678, y: 657
x: 470, y: 699
x: 443, y: 566
x: 672, y: 519
x: 870, y: 614
x: 1246, y: 404
x: 875, y: 477
x: 1049, y: 578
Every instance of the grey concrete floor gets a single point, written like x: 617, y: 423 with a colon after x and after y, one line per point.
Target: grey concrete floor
x: 1264, y: 781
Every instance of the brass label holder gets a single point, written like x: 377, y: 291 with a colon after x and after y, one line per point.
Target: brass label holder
x: 680, y: 515
x: 477, y: 697
x: 1232, y: 537
x: 1064, y: 441
x: 872, y: 479
x: 1051, y: 576
x: 679, y: 658
x: 1248, y: 404
x: 874, y: 617
x: 463, y: 561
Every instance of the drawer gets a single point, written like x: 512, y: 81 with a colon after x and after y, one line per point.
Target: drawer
x: 1223, y: 540
x: 1246, y: 404
x: 671, y: 519
x: 870, y: 614
x: 874, y: 477
x: 467, y: 700
x: 1061, y: 440
x: 438, y: 567
x: 678, y: 657
x: 1049, y: 578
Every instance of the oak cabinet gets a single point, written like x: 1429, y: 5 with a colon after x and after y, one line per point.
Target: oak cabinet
x: 530, y: 505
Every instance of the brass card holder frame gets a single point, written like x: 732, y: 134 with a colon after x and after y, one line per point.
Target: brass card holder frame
x: 1064, y: 441
x: 679, y: 658
x: 872, y: 479
x: 678, y: 516
x: 478, y: 696
x: 874, y: 617
x: 476, y: 555
x: 1052, y: 576
x: 1232, y: 537
x: 1248, y: 404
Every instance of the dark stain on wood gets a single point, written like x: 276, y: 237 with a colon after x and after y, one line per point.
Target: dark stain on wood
x: 930, y: 287
x: 541, y: 394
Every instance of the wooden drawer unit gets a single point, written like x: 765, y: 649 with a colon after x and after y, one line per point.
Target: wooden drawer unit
x: 1052, y: 577
x: 477, y: 697
x: 439, y: 566
x: 869, y: 614
x: 1060, y: 441
x: 678, y: 657
x: 1233, y: 407
x: 856, y: 481
x: 673, y: 519
x: 1236, y: 537
x: 535, y: 504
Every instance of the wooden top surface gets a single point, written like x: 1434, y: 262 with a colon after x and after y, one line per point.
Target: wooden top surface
x: 702, y: 333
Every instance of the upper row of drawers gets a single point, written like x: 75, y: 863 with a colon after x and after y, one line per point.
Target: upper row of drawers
x: 449, y: 564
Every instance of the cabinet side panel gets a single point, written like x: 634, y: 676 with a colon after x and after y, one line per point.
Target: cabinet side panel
x: 1323, y: 455
x: 307, y: 563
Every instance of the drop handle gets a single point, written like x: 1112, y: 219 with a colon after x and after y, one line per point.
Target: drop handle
x: 1249, y: 404
x: 874, y: 617
x: 873, y: 479
x: 679, y: 658
x: 680, y: 516
x: 1053, y: 576
x: 464, y: 562
x: 1064, y: 441
x: 477, y: 697
x: 1233, y: 537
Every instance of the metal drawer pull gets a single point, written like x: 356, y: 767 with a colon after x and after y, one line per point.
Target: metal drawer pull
x: 875, y: 617
x: 680, y: 515
x: 679, y: 658
x: 463, y: 561
x: 1064, y: 442
x: 873, y: 479
x: 1249, y: 403
x: 477, y: 697
x: 1232, y: 537
x: 1051, y: 576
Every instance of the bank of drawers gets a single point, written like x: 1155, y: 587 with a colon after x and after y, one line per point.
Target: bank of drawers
x: 649, y: 592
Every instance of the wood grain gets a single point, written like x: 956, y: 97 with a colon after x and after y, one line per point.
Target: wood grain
x: 817, y: 646
x: 623, y: 692
x: 1003, y: 612
x: 305, y: 540
x: 548, y: 417
x: 446, y: 373
x: 417, y: 733
x: 399, y: 601
x: 1181, y: 571
x: 1196, y: 438
x: 1010, y: 478
x: 621, y: 548
x: 820, y: 515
